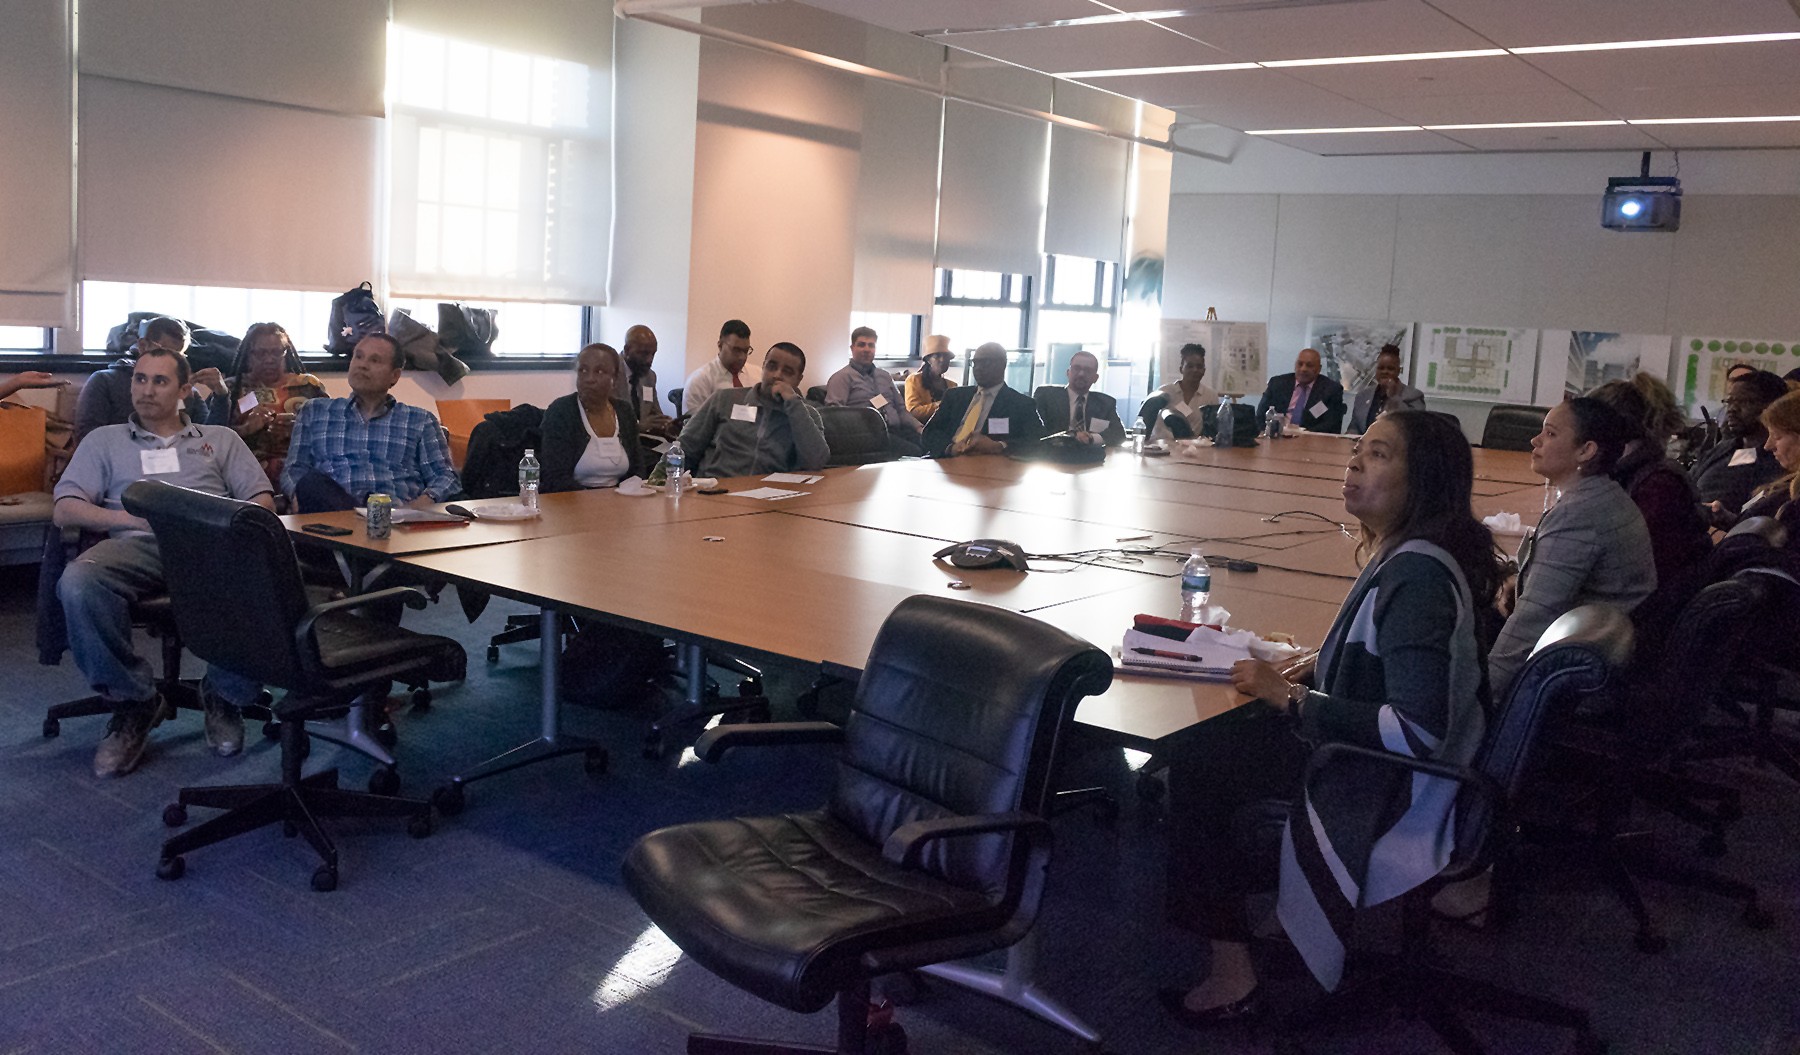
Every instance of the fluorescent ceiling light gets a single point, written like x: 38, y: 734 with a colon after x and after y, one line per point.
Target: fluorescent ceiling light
x: 1148, y: 71
x: 1522, y: 124
x: 1707, y: 120
x: 1332, y: 131
x: 1410, y: 56
x: 1667, y: 42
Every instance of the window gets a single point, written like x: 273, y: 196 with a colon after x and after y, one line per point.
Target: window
x: 1080, y: 306
x: 527, y: 331
x: 897, y: 332
x: 975, y: 307
x: 24, y: 339
x: 304, y: 314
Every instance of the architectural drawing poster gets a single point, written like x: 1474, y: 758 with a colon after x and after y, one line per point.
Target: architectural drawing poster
x: 1485, y: 363
x: 1702, y: 361
x: 1237, y: 353
x: 1348, y: 347
x: 1591, y: 358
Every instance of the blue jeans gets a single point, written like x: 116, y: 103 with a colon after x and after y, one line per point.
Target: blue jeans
x: 97, y: 590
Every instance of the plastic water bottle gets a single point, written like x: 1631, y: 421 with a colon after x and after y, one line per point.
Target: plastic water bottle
x: 1272, y: 424
x: 675, y: 461
x: 1225, y: 431
x: 1196, y: 585
x: 528, y: 480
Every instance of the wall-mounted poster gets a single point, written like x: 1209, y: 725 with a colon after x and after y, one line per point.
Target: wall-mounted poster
x: 1348, y: 347
x: 1486, y: 363
x: 1236, y: 352
x: 1701, y: 363
x: 1594, y: 358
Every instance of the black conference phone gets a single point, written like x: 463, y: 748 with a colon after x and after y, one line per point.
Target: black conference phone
x: 985, y: 553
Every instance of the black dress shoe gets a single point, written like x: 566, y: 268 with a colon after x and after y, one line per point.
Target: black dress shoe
x: 1247, y: 1007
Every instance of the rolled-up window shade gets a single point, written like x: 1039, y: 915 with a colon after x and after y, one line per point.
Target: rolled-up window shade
x: 991, y: 197
x: 896, y: 200
x: 321, y: 54
x: 37, y: 251
x: 1086, y: 210
x: 197, y: 189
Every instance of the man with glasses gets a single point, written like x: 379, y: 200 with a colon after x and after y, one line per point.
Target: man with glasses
x: 1732, y: 468
x: 725, y: 370
x: 106, y: 397
x: 1089, y: 416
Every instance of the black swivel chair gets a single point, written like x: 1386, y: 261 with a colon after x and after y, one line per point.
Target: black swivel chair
x: 855, y: 435
x: 933, y: 847
x: 675, y: 401
x: 1575, y: 658
x: 815, y: 394
x: 258, y: 623
x: 1510, y: 427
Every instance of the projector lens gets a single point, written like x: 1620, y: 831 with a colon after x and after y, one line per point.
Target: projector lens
x: 1630, y: 207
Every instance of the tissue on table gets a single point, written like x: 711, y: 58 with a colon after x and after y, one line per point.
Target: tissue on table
x: 1504, y: 524
x: 1213, y: 648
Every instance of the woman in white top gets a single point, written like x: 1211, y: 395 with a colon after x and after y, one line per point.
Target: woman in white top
x: 590, y: 439
x: 1186, y: 396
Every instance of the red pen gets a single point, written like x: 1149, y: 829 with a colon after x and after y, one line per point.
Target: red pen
x: 1167, y: 655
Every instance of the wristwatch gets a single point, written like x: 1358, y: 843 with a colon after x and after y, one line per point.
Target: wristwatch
x: 1295, y: 695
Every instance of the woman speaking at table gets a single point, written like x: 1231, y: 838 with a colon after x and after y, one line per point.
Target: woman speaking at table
x: 1401, y: 671
x: 590, y: 438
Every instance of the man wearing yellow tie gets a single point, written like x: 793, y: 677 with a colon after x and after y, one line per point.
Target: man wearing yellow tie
x: 987, y: 417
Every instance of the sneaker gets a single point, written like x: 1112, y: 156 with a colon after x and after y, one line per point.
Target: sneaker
x: 224, y: 725
x: 126, y: 736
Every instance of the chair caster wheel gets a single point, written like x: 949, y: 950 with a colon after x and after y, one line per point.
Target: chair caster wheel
x: 493, y: 653
x: 174, y: 815
x: 1713, y: 845
x: 1649, y: 941
x: 421, y: 701
x: 271, y: 730
x: 595, y: 761
x: 450, y: 800
x: 384, y: 734
x: 887, y: 1040
x: 324, y: 879
x: 419, y: 826
x: 384, y: 781
x: 52, y: 728
x: 171, y: 868
x: 1757, y: 918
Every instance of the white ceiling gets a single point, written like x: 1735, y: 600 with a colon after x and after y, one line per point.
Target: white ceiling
x: 1726, y: 80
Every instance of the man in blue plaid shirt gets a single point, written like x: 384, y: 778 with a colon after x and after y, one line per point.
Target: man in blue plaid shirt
x: 345, y: 449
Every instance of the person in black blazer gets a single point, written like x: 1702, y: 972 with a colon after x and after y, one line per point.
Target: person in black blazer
x: 1055, y: 404
x: 1323, y: 408
x: 1007, y: 419
x: 590, y: 435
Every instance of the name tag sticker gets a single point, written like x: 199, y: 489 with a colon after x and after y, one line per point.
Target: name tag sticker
x: 743, y: 412
x: 997, y: 427
x: 1097, y: 424
x: 1744, y: 456
x: 648, y: 392
x: 1317, y: 410
x: 248, y: 403
x: 159, y: 461
x: 878, y: 402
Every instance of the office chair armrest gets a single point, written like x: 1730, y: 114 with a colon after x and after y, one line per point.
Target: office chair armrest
x: 713, y: 743
x: 413, y: 597
x: 1488, y: 794
x: 908, y: 841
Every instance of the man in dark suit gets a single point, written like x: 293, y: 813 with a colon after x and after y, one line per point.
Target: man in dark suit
x: 1313, y: 402
x: 986, y: 417
x: 1089, y: 416
x: 1387, y: 393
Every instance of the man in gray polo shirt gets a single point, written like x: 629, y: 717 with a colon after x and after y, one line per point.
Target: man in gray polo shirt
x: 98, y: 587
x: 863, y: 384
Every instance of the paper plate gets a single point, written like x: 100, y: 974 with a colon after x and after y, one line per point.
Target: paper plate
x: 504, y: 511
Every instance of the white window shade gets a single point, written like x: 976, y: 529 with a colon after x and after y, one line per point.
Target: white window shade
x: 991, y: 201
x: 321, y: 54
x: 187, y: 188
x: 500, y: 171
x: 37, y: 257
x: 896, y: 200
x: 1086, y: 211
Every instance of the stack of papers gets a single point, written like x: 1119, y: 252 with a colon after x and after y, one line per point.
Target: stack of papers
x: 791, y: 478
x: 768, y: 493
x: 403, y: 515
x: 1204, y: 651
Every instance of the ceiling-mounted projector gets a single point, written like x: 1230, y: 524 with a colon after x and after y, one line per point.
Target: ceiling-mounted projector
x: 1642, y: 202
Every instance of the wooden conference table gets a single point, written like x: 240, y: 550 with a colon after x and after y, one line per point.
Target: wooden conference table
x: 811, y: 578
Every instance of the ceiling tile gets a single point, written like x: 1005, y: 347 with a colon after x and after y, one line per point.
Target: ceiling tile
x: 1530, y: 23
x: 1772, y: 63
x: 1372, y: 143
x: 1371, y: 27
x: 1113, y: 46
x: 1695, y: 137
x: 1755, y: 100
x: 1608, y: 137
x: 931, y: 16
x: 1560, y: 105
x: 1246, y: 99
x: 1439, y: 77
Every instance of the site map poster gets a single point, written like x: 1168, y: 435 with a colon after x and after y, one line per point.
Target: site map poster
x: 1484, y: 363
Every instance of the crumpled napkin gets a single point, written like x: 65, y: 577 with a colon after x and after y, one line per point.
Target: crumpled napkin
x: 1504, y: 524
x: 634, y: 486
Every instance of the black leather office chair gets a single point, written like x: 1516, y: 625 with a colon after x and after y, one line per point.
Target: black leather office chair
x: 257, y: 622
x: 675, y: 401
x: 933, y: 847
x: 1577, y: 655
x: 1510, y: 427
x: 1455, y: 422
x: 815, y: 394
x: 855, y: 435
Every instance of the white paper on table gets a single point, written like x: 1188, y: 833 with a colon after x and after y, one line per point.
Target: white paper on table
x: 791, y: 478
x: 770, y: 494
x: 403, y: 515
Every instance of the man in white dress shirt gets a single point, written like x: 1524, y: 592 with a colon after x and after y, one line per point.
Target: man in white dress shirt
x: 725, y: 370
